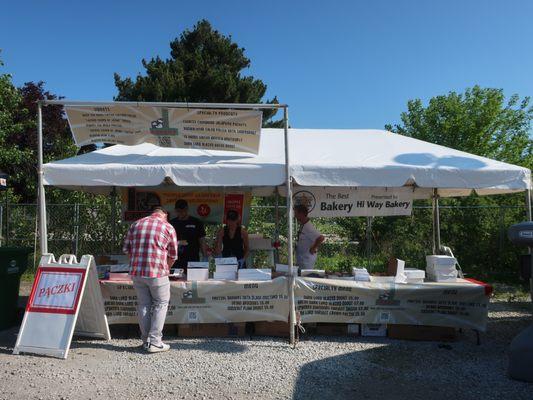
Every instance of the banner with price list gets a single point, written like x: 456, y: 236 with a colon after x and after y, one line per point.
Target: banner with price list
x: 207, y: 129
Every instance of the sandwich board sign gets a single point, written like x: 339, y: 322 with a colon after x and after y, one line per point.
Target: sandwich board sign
x: 65, y: 300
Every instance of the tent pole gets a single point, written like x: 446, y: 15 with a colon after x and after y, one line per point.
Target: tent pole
x: 235, y: 106
x: 529, y: 218
x: 42, y: 200
x: 114, y: 219
x: 436, y: 222
x: 528, y: 204
x: 288, y: 183
x: 276, y: 227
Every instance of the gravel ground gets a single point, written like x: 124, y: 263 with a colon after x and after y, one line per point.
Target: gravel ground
x: 319, y: 368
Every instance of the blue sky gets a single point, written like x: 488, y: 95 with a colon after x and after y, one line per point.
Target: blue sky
x: 338, y: 64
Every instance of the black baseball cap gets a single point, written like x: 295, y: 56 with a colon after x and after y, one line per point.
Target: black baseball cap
x: 181, y: 204
x: 232, y: 215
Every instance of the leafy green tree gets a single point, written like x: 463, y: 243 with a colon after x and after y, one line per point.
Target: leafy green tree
x: 10, y: 100
x: 205, y: 66
x: 18, y: 137
x: 479, y: 121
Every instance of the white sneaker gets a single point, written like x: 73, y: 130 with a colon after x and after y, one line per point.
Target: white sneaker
x: 152, y: 348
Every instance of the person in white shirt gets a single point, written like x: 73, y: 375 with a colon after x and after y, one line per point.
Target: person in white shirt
x: 309, y: 239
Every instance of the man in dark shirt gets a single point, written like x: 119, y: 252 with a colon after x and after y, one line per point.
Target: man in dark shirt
x: 191, y: 235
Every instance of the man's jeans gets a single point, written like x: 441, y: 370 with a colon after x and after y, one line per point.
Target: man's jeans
x: 153, y: 295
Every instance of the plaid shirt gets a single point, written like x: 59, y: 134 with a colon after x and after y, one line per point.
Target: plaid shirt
x: 149, y: 242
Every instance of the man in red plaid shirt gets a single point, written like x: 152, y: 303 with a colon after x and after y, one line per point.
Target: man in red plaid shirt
x: 152, y: 246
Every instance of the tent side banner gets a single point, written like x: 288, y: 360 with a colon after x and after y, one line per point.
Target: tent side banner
x: 195, y: 128
x: 354, y: 202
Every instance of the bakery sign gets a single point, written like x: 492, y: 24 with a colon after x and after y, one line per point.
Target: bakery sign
x: 355, y: 202
x: 56, y: 290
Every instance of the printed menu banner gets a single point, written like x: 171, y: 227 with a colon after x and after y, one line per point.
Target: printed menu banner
x: 460, y: 305
x: 207, y: 129
x: 355, y: 202
x: 207, y: 206
x: 205, y: 302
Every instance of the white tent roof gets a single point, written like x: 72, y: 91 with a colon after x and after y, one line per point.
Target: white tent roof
x: 319, y: 157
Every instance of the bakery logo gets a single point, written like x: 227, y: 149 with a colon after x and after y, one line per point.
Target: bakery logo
x: 161, y: 126
x: 305, y: 198
x: 387, y: 299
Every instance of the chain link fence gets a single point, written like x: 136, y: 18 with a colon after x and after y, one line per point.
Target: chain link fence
x: 476, y: 234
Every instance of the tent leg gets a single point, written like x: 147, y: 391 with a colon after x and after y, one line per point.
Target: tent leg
x: 436, y: 222
x: 529, y: 218
x: 368, y: 235
x: 42, y: 197
x: 114, y: 219
x: 276, y: 227
x: 288, y: 183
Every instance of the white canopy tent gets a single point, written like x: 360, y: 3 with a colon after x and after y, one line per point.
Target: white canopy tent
x: 319, y: 157
x: 332, y: 158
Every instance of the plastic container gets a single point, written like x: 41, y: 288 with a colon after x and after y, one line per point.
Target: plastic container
x: 13, y: 263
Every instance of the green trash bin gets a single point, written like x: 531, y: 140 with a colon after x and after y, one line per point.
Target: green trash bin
x: 13, y: 263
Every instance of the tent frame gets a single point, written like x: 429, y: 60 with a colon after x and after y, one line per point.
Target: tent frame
x: 43, y: 230
x: 436, y: 239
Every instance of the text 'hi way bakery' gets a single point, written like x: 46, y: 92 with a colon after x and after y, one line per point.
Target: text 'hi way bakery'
x: 327, y: 202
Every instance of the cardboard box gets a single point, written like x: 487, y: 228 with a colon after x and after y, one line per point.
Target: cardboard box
x: 422, y: 332
x: 374, y: 330
x: 331, y: 329
x: 212, y: 330
x: 271, y: 328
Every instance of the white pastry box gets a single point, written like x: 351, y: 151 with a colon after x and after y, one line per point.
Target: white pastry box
x: 226, y: 261
x: 284, y: 268
x: 227, y: 268
x: 255, y: 274
x: 197, y: 274
x: 225, y: 276
x: 197, y: 264
x: 414, y: 275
